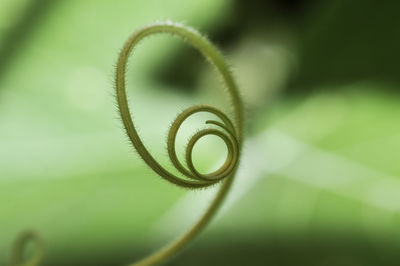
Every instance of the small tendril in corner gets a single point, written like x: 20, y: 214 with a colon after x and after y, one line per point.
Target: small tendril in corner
x: 230, y: 131
x: 20, y: 244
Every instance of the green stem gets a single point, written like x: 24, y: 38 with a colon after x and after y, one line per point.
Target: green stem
x: 178, y: 244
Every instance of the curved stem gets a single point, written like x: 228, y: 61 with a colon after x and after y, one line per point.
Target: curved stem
x: 175, y: 246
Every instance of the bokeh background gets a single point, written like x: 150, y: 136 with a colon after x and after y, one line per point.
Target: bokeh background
x: 319, y: 182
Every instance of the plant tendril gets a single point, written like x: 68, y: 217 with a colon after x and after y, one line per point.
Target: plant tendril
x: 17, y: 258
x: 230, y: 132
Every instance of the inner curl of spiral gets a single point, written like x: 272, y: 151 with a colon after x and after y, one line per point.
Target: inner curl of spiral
x: 228, y: 135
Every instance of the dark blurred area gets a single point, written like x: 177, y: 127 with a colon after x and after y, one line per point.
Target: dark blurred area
x: 14, y: 38
x: 338, y: 41
x: 352, y: 41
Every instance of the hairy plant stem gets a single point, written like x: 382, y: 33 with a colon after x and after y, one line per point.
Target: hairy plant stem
x: 233, y: 139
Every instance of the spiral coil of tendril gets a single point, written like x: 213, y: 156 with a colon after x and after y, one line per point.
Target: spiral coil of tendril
x: 21, y: 243
x: 229, y: 132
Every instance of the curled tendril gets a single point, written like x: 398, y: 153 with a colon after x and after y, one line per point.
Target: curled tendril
x: 230, y: 132
x: 17, y: 258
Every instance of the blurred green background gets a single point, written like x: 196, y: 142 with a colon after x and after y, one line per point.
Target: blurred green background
x: 319, y: 183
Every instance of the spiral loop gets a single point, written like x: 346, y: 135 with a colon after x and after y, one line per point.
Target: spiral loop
x: 230, y: 132
x: 21, y: 243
